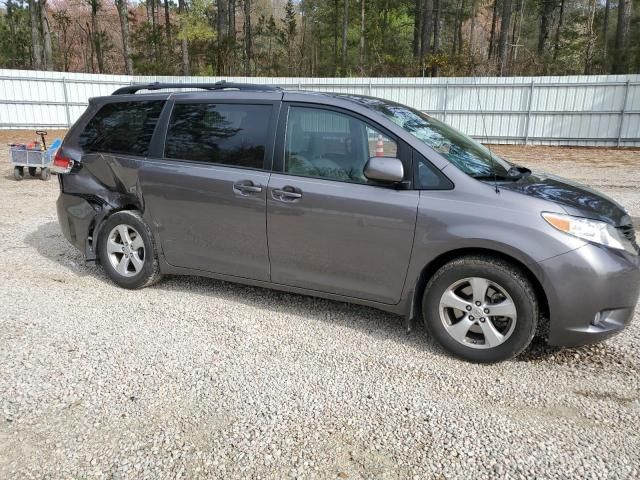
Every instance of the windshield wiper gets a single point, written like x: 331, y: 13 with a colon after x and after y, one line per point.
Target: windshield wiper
x: 518, y: 172
x: 497, y: 176
x: 513, y: 174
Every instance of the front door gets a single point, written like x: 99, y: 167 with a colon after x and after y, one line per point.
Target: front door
x: 207, y: 194
x: 329, y: 230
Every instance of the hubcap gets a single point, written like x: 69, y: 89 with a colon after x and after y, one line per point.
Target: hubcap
x: 478, y: 313
x: 125, y: 248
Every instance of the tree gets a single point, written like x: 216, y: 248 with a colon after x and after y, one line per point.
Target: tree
x: 417, y: 28
x: 12, y: 33
x: 123, y: 14
x: 345, y: 30
x: 546, y: 21
x: 494, y: 25
x: 323, y: 37
x: 222, y: 20
x: 46, y: 35
x: 437, y: 13
x: 184, y: 42
x: 588, y: 56
x: 62, y: 24
x: 622, y: 34
x: 36, y: 44
x: 605, y: 29
x: 248, y: 41
x: 167, y: 23
x: 362, y: 30
x: 556, y: 47
x: 289, y: 34
x: 503, y: 46
x: 427, y: 30
x: 97, y: 36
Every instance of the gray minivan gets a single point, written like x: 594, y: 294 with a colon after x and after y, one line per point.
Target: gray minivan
x: 345, y: 197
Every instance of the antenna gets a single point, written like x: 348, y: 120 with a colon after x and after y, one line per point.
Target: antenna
x: 484, y: 130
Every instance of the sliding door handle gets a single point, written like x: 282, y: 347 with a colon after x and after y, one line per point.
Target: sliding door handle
x: 286, y: 193
x: 247, y: 186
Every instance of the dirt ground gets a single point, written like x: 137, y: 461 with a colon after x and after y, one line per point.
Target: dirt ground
x: 196, y: 378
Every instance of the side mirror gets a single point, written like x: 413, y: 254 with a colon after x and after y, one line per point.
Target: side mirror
x: 384, y: 169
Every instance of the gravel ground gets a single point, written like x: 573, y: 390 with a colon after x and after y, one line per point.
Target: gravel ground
x: 197, y: 378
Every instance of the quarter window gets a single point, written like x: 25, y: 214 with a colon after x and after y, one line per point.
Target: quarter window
x: 122, y: 127
x: 327, y: 144
x: 227, y: 134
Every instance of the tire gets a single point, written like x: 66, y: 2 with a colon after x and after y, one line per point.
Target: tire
x: 18, y: 173
x: 127, y: 251
x: 45, y: 174
x: 32, y: 171
x: 475, y: 333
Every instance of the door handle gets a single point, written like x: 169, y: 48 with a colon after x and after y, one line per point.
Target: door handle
x: 247, y: 186
x: 286, y: 193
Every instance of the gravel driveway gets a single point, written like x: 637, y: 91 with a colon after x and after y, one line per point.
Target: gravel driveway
x: 197, y: 378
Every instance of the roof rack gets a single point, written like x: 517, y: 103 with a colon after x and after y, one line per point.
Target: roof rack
x: 221, y: 85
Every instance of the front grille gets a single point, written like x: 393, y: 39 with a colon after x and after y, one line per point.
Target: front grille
x: 630, y: 234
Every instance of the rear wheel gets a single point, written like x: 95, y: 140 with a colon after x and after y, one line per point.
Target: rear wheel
x: 33, y: 171
x: 481, y: 309
x: 45, y: 174
x: 18, y: 173
x: 127, y: 252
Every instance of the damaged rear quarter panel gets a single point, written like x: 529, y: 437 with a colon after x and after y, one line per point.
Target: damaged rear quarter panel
x: 108, y: 183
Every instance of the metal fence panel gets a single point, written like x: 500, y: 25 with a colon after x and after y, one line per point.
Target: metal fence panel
x: 595, y: 110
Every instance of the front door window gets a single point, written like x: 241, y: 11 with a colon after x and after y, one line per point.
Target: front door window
x: 330, y: 145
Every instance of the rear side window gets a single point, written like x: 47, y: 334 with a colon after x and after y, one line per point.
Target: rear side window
x: 227, y: 134
x: 122, y: 127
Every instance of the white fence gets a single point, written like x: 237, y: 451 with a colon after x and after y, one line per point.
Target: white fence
x: 602, y: 110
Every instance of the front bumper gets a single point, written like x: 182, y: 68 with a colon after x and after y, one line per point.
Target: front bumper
x: 592, y: 293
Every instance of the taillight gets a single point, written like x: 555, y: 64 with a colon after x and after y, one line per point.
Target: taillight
x: 61, y: 164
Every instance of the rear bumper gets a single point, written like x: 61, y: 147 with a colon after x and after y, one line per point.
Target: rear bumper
x: 592, y: 293
x: 76, y: 217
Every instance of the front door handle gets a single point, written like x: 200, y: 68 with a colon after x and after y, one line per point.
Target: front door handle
x: 247, y: 186
x: 286, y: 193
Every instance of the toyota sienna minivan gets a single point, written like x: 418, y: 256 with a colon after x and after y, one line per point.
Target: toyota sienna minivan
x: 346, y: 197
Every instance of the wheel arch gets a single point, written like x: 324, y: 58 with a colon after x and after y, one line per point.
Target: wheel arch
x: 432, y: 267
x: 95, y: 228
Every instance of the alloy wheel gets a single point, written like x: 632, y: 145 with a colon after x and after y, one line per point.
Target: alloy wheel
x: 125, y: 248
x: 478, y: 312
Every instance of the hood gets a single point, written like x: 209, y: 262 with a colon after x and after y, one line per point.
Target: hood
x: 575, y: 198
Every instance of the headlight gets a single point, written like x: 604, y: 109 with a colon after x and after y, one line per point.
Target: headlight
x: 589, y: 230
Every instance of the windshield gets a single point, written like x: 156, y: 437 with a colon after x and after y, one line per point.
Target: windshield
x: 465, y: 153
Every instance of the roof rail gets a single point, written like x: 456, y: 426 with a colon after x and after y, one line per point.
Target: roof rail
x: 221, y: 85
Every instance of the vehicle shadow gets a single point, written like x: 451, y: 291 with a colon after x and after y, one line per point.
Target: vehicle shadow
x: 50, y: 243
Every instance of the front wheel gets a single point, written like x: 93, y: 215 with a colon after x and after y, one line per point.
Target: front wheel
x: 481, y: 309
x: 127, y: 252
x: 45, y: 174
x: 18, y: 173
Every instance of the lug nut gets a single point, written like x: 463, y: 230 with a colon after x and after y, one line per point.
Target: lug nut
x: 478, y: 304
x: 468, y: 308
x: 471, y: 317
x: 486, y: 310
x: 482, y: 319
